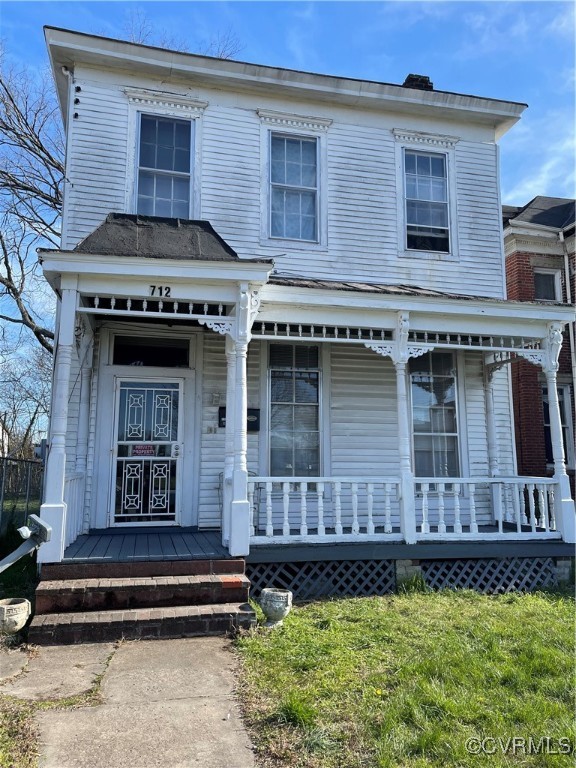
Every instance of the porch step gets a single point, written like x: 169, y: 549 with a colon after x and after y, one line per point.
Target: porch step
x: 106, y: 601
x: 139, y: 623
x: 67, y: 595
x: 139, y: 569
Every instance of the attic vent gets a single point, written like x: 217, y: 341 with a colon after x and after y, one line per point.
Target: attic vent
x: 422, y: 82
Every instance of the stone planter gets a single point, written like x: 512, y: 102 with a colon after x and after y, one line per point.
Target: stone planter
x: 14, y: 613
x: 276, y: 604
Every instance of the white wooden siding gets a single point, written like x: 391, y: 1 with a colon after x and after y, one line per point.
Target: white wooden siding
x: 362, y: 412
x: 97, y: 173
x: 73, y: 410
x: 359, y: 185
x: 504, y: 422
x: 212, y: 442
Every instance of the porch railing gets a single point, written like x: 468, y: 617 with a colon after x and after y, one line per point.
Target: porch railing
x: 321, y: 508
x: 74, y: 498
x: 318, y: 509
x: 523, y: 506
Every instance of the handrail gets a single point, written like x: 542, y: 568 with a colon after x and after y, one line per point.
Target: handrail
x: 36, y: 533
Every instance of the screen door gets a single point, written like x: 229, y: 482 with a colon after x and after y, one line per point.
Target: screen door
x: 147, y: 452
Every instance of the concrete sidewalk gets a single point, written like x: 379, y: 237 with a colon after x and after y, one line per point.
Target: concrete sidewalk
x: 165, y: 704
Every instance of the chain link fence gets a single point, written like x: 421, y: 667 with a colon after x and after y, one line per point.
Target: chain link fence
x: 20, y: 492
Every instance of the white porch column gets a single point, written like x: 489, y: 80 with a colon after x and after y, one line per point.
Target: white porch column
x: 239, y: 543
x: 84, y: 405
x: 53, y: 510
x: 400, y: 352
x: 493, y: 453
x: 565, y: 511
x: 230, y: 429
x: 407, y: 505
x: 239, y: 538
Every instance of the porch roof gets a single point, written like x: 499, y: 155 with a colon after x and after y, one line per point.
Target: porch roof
x: 391, y: 290
x: 124, y: 234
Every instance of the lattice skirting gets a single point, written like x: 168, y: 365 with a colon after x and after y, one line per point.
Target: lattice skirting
x: 492, y: 575
x: 355, y: 578
x: 328, y: 578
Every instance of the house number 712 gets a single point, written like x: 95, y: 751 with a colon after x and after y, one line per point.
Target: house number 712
x: 160, y: 290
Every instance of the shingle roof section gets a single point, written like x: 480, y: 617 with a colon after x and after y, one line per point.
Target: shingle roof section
x: 123, y: 234
x: 557, y: 212
x: 391, y: 290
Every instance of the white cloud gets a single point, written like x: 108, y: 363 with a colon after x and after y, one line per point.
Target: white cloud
x: 563, y: 23
x: 302, y: 31
x: 540, y: 157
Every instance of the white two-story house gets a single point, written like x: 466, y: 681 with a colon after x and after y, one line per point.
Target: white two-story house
x: 282, y: 315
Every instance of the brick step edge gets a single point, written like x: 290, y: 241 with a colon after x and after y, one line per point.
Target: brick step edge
x: 64, y: 596
x: 140, y: 623
x: 139, y: 569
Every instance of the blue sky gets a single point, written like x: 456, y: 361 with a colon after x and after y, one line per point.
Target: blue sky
x: 522, y: 51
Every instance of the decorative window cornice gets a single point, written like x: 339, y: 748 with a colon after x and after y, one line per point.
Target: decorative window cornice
x: 173, y: 101
x: 286, y: 120
x: 428, y: 139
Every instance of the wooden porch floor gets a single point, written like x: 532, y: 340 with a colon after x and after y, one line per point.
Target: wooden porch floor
x: 135, y: 545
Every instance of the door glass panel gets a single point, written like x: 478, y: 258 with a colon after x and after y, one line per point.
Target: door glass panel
x: 147, y: 452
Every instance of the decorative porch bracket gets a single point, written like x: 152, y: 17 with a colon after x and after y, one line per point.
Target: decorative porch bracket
x: 236, y: 507
x: 547, y: 357
x: 400, y: 351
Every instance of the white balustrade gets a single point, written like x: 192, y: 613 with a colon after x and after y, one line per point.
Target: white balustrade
x: 323, y: 508
x: 74, y: 500
x: 450, y: 508
x: 318, y: 509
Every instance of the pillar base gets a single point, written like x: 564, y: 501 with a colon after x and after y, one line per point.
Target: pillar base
x: 565, y: 511
x: 239, y: 544
x: 55, y: 516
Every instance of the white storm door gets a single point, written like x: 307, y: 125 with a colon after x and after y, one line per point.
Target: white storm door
x: 147, y: 471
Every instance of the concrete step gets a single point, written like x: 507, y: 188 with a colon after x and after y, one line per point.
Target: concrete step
x: 138, y: 569
x: 139, y: 623
x: 67, y: 595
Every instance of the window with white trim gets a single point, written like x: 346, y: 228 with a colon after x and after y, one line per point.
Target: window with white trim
x: 434, y: 415
x: 293, y: 187
x: 294, y: 374
x: 164, y: 167
x: 565, y: 403
x: 547, y: 285
x: 426, y: 201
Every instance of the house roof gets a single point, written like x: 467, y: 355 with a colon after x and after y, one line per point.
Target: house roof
x: 555, y: 212
x: 124, y: 234
x: 68, y: 49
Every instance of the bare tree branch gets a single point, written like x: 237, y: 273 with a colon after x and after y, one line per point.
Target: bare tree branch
x: 224, y: 45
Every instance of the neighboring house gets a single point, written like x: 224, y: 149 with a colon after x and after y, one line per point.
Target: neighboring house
x: 539, y: 248
x: 283, y: 316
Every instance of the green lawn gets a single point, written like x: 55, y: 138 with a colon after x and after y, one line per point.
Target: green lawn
x: 406, y: 680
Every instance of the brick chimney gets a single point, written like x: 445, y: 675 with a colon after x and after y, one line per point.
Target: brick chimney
x: 421, y: 82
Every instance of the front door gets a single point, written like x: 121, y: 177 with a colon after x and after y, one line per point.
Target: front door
x: 147, y: 452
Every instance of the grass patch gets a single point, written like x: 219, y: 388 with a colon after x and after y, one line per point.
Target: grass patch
x: 404, y: 681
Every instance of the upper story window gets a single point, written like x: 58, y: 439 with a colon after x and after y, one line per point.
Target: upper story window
x: 293, y: 187
x: 164, y: 167
x: 547, y: 285
x: 426, y: 193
